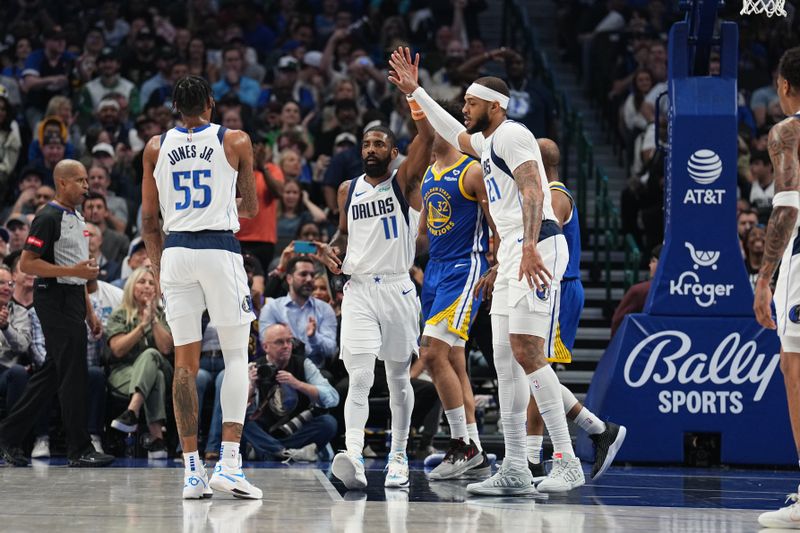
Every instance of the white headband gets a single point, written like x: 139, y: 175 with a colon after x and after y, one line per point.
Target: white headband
x: 490, y: 95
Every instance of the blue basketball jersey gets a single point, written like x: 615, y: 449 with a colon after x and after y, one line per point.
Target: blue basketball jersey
x: 455, y: 221
x: 572, y: 232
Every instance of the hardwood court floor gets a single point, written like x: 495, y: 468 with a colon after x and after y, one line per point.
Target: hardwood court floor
x: 135, y: 495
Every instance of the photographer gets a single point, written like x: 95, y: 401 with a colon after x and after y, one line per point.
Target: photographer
x: 287, y: 416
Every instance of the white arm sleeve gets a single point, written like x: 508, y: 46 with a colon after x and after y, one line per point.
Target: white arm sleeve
x: 787, y: 199
x: 444, y: 124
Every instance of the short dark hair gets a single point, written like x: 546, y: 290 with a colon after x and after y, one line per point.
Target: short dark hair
x: 655, y: 253
x: 232, y: 46
x: 494, y: 83
x: 291, y: 266
x: 383, y: 129
x: 789, y: 66
x: 453, y: 108
x: 191, y: 95
x: 91, y: 195
x: 760, y: 155
x: 748, y: 211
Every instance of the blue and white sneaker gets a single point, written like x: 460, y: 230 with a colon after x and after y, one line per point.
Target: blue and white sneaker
x: 349, y: 469
x: 195, y: 485
x: 397, y: 471
x: 232, y: 480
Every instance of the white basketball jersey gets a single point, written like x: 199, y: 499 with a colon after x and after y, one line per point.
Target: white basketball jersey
x: 196, y: 183
x: 509, y: 146
x: 382, y: 229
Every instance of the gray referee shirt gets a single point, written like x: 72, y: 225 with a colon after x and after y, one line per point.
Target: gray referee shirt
x: 60, y: 237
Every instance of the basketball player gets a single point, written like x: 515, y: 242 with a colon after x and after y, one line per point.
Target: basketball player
x: 378, y: 219
x: 606, y: 436
x: 191, y: 177
x: 782, y: 239
x: 453, y: 227
x: 531, y: 258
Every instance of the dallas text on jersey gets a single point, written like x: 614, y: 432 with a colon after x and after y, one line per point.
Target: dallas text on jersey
x: 372, y: 209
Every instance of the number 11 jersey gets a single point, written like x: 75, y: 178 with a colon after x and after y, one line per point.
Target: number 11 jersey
x: 382, y: 228
x: 196, y: 183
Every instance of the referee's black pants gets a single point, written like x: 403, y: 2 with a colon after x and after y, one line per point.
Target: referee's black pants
x: 62, y: 311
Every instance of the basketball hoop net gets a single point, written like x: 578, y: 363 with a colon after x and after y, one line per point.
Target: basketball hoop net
x: 767, y: 7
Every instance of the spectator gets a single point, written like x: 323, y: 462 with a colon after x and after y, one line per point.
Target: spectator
x: 95, y: 210
x: 346, y: 114
x: 447, y: 81
x: 165, y: 58
x: 163, y: 94
x: 109, y: 81
x: 137, y: 258
x: 46, y: 74
x: 530, y: 102
x: 140, y: 65
x: 198, y: 61
x: 4, y: 238
x: 311, y: 321
x: 53, y: 151
x: 99, y: 183
x: 296, y: 392
x: 15, y: 339
x: 109, y: 270
x: 233, y: 80
x: 139, y: 338
x: 16, y: 67
x: 762, y: 188
x: 635, y: 298
x: 633, y: 121
x: 259, y: 235
x: 18, y: 227
x: 295, y: 208
x: 754, y: 252
x: 745, y: 221
x: 115, y: 29
x: 109, y: 117
x: 61, y: 107
x: 50, y: 125
x: 765, y: 98
x: 10, y: 145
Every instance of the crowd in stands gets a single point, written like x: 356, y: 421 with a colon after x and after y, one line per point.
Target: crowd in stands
x: 93, y: 81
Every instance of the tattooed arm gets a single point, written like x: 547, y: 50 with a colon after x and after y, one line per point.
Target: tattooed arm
x: 532, y: 266
x: 330, y: 254
x: 151, y: 228
x: 784, y: 140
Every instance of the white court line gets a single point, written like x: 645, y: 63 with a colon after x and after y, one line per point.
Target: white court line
x: 328, y: 486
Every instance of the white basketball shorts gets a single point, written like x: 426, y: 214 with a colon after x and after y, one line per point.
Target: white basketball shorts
x: 531, y: 311
x: 787, y: 297
x: 380, y: 315
x: 195, y: 278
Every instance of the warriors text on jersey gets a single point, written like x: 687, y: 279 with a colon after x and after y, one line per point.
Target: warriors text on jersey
x: 455, y: 221
x: 381, y: 228
x: 193, y: 174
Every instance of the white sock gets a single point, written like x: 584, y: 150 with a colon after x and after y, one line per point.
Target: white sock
x: 546, y: 391
x: 535, y: 448
x: 457, y: 420
x: 229, y: 454
x: 191, y: 461
x: 514, y: 434
x: 589, y: 423
x: 474, y: 436
x: 354, y: 441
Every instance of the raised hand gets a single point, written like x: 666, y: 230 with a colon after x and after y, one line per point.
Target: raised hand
x: 404, y: 71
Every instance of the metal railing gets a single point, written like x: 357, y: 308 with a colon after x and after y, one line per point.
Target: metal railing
x: 605, y: 237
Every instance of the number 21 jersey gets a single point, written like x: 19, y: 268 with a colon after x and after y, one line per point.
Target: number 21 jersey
x: 196, y: 183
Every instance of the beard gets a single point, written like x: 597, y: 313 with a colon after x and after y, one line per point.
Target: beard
x: 481, y: 123
x: 377, y: 168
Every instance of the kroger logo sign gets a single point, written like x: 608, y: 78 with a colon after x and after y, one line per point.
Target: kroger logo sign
x: 689, y: 283
x: 704, y: 167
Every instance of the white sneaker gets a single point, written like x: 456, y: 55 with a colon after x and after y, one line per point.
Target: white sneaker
x: 397, y: 471
x: 508, y: 481
x: 306, y: 454
x: 195, y: 485
x: 786, y: 517
x: 232, y: 480
x: 349, y: 469
x: 97, y: 443
x: 566, y: 474
x: 41, y: 448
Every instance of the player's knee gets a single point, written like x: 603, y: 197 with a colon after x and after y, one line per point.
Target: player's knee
x: 528, y: 348
x: 362, y: 378
x: 790, y: 367
x: 432, y: 355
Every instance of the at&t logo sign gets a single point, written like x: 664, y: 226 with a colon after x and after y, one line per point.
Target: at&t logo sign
x: 704, y: 167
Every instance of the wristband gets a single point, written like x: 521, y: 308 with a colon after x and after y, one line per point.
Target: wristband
x: 416, y: 111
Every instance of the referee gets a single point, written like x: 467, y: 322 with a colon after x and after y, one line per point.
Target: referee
x: 57, y: 252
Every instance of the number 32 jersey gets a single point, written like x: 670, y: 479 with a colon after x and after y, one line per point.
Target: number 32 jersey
x: 196, y: 183
x: 381, y: 227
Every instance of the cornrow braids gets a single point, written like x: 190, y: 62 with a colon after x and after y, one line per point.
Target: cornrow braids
x: 191, y: 95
